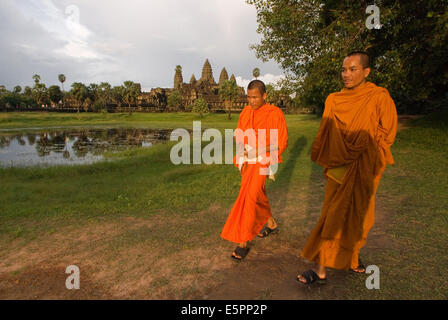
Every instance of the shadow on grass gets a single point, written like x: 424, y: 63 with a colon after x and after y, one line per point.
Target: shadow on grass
x: 286, y: 171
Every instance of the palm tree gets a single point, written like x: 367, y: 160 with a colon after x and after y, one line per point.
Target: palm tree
x: 256, y: 73
x: 17, y: 89
x: 229, y: 92
x: 36, y: 78
x: 105, y: 94
x: 55, y: 94
x: 117, y: 95
x: 61, y: 78
x: 130, y: 94
x: 40, y: 93
x: 79, y: 92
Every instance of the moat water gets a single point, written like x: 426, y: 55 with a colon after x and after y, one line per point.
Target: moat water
x: 47, y: 147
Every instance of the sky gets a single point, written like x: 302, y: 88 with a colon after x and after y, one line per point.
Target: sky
x: 138, y: 40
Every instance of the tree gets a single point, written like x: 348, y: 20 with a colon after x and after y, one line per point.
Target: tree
x: 200, y: 106
x: 229, y: 92
x: 310, y: 38
x: 36, y: 78
x: 272, y: 94
x: 94, y: 92
x: 27, y: 91
x: 61, y: 78
x: 174, y: 99
x: 17, y: 89
x: 40, y: 93
x: 118, y: 94
x: 130, y: 94
x: 3, y: 90
x: 55, y: 94
x: 79, y: 92
x: 105, y: 94
x: 256, y: 73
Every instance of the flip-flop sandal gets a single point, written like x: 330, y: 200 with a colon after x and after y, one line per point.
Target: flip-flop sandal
x: 311, y: 277
x: 242, y: 252
x: 360, y: 266
x: 267, y: 231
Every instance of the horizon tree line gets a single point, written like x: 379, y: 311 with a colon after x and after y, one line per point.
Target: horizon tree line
x: 95, y: 97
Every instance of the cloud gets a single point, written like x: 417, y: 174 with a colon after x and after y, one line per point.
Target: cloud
x: 266, y: 78
x: 113, y: 41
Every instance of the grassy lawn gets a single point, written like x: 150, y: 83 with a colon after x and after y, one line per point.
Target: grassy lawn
x: 117, y: 213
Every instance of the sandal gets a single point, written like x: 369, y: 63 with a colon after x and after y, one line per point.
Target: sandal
x: 360, y: 266
x: 241, y: 252
x: 267, y: 231
x: 310, y: 277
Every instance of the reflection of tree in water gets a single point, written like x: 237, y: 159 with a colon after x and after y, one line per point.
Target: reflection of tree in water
x: 43, y: 145
x: 81, y: 145
x: 66, y: 153
x: 48, y: 142
x: 4, y: 141
x: 85, y: 141
x: 20, y: 139
x: 31, y: 138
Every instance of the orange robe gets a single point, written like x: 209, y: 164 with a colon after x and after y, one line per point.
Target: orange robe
x: 251, y: 209
x: 357, y: 130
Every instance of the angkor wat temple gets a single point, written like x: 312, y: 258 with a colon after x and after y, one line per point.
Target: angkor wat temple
x: 205, y: 88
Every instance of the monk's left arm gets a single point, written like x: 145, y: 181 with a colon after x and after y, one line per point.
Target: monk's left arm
x: 282, y: 134
x: 387, y: 127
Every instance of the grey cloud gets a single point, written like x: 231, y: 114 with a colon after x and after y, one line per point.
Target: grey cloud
x: 137, y: 40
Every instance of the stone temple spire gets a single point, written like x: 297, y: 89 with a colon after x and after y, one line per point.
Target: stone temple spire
x: 232, y: 77
x: 223, y: 76
x: 207, y: 73
x: 178, y: 80
x: 192, y: 79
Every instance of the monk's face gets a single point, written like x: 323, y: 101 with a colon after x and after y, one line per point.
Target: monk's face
x: 255, y: 98
x: 353, y: 73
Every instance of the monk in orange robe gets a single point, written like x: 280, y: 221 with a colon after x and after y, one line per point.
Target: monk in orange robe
x: 353, y: 143
x: 261, y: 137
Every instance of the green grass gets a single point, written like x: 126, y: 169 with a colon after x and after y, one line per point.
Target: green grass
x: 143, y: 183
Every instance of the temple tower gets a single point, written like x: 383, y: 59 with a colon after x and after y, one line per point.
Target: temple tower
x: 178, y: 80
x: 207, y: 73
x: 223, y: 76
x: 193, y: 79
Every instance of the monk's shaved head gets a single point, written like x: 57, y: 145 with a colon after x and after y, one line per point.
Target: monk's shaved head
x: 355, y: 69
x: 257, y: 84
x: 363, y: 58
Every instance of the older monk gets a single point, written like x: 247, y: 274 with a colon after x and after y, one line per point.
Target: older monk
x: 353, y: 143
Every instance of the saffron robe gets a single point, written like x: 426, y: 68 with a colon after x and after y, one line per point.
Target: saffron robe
x: 251, y: 209
x: 357, y: 130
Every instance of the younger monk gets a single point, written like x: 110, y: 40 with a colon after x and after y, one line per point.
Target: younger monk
x: 261, y: 138
x: 353, y: 143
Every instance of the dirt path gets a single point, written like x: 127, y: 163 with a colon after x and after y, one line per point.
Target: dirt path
x: 137, y: 270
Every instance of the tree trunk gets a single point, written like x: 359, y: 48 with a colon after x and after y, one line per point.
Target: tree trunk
x: 228, y: 105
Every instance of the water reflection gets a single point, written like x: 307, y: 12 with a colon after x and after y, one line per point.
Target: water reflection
x: 72, y: 146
